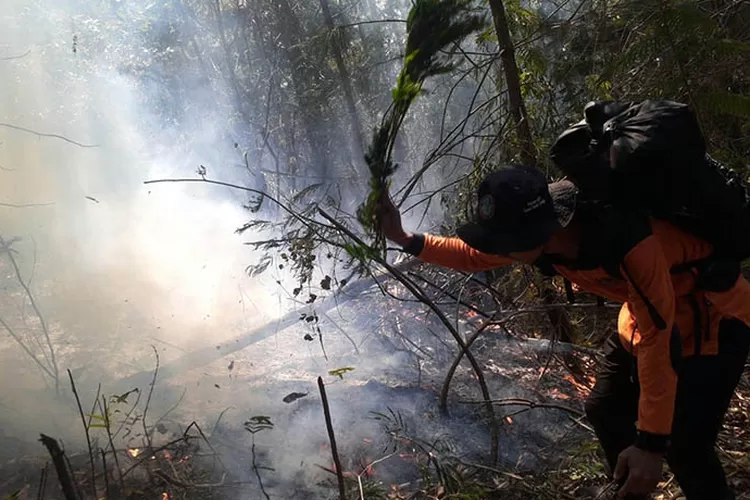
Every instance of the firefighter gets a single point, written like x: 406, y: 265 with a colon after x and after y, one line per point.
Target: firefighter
x: 670, y: 370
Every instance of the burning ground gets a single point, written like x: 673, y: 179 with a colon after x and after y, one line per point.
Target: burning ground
x: 244, y: 418
x: 383, y: 361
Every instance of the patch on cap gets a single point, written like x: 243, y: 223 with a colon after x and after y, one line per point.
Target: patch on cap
x: 486, y: 207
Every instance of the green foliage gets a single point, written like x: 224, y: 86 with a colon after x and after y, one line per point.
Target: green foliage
x: 339, y: 372
x: 432, y: 26
x: 104, y: 420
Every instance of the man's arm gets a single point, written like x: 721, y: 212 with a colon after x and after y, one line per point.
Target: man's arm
x: 652, y: 300
x: 446, y: 252
x: 452, y: 253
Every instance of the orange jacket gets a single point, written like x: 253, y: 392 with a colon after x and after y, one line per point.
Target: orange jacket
x: 648, y: 267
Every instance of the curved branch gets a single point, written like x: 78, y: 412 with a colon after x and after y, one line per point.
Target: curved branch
x: 56, y: 136
x: 414, y: 289
x: 25, y: 205
x: 20, y: 56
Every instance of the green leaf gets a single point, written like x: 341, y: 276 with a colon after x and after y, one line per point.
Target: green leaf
x: 339, y: 372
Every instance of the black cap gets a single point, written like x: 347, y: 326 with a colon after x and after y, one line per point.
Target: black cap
x: 517, y: 210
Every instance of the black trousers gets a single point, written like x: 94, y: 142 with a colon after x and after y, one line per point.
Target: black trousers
x: 705, y: 387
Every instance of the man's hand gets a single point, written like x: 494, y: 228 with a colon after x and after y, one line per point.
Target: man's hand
x: 642, y: 469
x: 389, y: 220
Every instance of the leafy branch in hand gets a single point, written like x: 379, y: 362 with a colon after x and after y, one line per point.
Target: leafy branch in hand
x: 432, y: 25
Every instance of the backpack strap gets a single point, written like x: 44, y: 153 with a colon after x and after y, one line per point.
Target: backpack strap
x: 652, y: 311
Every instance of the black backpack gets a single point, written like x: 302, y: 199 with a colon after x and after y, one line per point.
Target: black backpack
x: 650, y: 157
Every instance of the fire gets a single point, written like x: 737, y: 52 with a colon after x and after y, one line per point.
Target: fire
x: 581, y: 389
x: 164, y: 495
x: 555, y: 393
x: 366, y: 468
x: 134, y: 452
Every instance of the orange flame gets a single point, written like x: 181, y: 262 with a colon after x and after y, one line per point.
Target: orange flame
x: 134, y: 452
x: 164, y: 495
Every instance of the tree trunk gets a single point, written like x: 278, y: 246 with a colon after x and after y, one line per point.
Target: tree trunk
x: 558, y: 317
x: 512, y: 80
x: 346, y: 84
x: 230, y: 75
x: 303, y: 79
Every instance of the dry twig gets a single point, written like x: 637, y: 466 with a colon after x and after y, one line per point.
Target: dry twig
x: 107, y: 426
x: 148, y: 399
x: 40, y: 134
x: 52, y: 360
x: 86, y: 430
x: 332, y: 437
x: 58, y: 460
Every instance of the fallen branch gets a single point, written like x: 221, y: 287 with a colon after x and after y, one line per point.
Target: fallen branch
x: 58, y: 460
x: 332, y: 437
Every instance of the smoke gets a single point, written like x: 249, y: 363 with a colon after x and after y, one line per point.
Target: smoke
x: 115, y: 265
